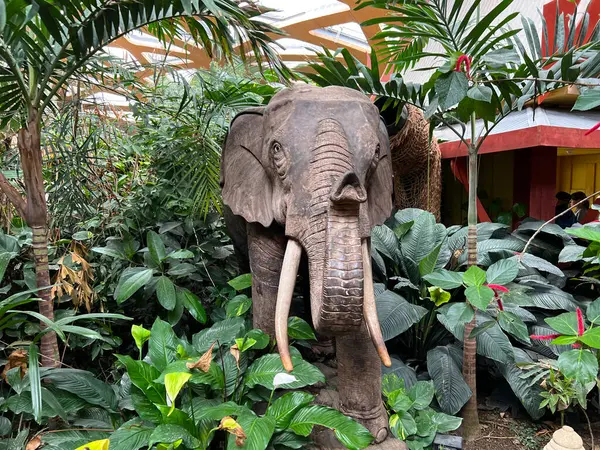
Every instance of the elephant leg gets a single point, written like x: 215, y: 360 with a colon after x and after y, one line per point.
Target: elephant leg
x: 266, y: 247
x: 359, y: 373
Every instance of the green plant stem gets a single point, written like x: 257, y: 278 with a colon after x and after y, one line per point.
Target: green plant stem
x: 271, y: 397
x: 589, y: 425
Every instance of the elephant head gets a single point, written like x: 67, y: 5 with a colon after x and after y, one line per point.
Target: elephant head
x: 317, y: 162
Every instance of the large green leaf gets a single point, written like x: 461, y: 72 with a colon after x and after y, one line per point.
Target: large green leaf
x: 132, y: 279
x: 544, y: 296
x: 588, y: 99
x: 143, y: 375
x: 350, y: 433
x: 162, y: 345
x: 132, y: 435
x: 402, y: 425
x: 445, y: 279
x: 395, y: 314
x: 451, y: 390
x: 479, y: 296
x: 421, y: 394
x: 241, y: 282
x: 513, y: 325
x: 223, y: 332
x: 258, y: 432
x: 491, y: 343
x: 84, y: 385
x: 165, y: 291
x: 384, y: 241
x: 67, y: 439
x: 170, y: 433
x: 538, y: 263
x: 474, y: 277
x: 284, y: 408
x: 565, y: 323
x: 402, y: 371
x: 502, y: 272
x: 263, y: 370
x: 579, y: 364
x: 593, y: 311
x: 156, y: 247
x: 192, y: 303
x: 589, y: 233
x: 300, y: 329
x: 451, y: 88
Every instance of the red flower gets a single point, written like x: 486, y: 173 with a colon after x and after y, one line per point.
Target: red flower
x: 591, y: 130
x: 580, y: 324
x: 576, y: 346
x: 542, y: 337
x: 497, y: 288
x: 463, y: 59
x: 500, y: 305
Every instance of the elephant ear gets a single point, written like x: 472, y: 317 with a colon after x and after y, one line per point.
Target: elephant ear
x: 245, y: 184
x: 381, y: 185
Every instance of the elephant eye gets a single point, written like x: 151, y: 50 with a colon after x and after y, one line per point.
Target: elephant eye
x: 377, y: 153
x: 280, y: 159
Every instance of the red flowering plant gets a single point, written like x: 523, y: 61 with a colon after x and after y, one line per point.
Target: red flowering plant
x: 581, y: 362
x: 484, y: 290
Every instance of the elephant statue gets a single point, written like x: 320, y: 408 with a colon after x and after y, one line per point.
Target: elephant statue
x: 304, y: 180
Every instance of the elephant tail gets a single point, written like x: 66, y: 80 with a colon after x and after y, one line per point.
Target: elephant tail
x: 417, y: 165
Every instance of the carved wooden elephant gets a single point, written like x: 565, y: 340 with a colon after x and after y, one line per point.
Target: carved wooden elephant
x: 310, y: 175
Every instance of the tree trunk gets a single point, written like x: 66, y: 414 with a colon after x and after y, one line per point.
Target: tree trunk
x: 471, y: 427
x: 36, y: 214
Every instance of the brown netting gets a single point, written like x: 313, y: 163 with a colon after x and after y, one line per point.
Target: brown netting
x: 417, y: 177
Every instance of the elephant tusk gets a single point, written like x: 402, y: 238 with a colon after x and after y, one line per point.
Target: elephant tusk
x: 369, y: 308
x: 287, y: 281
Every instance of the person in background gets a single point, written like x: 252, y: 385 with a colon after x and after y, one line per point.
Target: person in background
x: 593, y: 214
x: 581, y: 209
x: 562, y: 203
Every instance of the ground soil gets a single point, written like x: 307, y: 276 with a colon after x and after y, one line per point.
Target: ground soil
x: 499, y: 431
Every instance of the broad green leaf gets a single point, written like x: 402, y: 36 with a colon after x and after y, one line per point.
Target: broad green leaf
x: 481, y: 328
x: 451, y: 88
x: 142, y: 375
x: 83, y: 235
x: 156, y: 247
x: 180, y: 254
x: 140, y: 336
x: 502, y: 272
x: 132, y: 435
x: 260, y: 337
x: 514, y: 326
x: 565, y: 323
x: 170, y: 433
x: 588, y: 99
x: 242, y: 282
x: 591, y: 337
x: 474, y: 277
x: 174, y: 381
x: 132, y: 279
x: 244, y: 343
x: 109, y: 252
x: 589, y: 233
x: 284, y: 408
x: 580, y: 365
x: 445, y: 279
x: 162, y: 346
x: 238, y: 306
x: 458, y: 313
x: 593, y: 312
x: 288, y: 439
x: 5, y: 257
x: 165, y: 291
x: 258, y: 432
x: 300, y: 329
x: 445, y: 422
x: 479, y: 296
x: 263, y: 370
x: 438, y: 295
x: 223, y: 332
x: 480, y: 93
x: 402, y: 425
x: 428, y: 264
x: 192, y: 303
x: 421, y: 393
x: 399, y: 401
x: 350, y: 433
x: 390, y: 383
x: 144, y: 407
x: 395, y: 314
x: 565, y: 340
x: 85, y: 386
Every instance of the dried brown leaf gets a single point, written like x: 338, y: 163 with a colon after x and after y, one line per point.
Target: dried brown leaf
x: 230, y: 425
x: 235, y: 352
x: 34, y: 443
x: 204, y: 362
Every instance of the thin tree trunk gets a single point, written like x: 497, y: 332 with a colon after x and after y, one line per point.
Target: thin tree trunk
x: 471, y: 427
x: 36, y: 214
